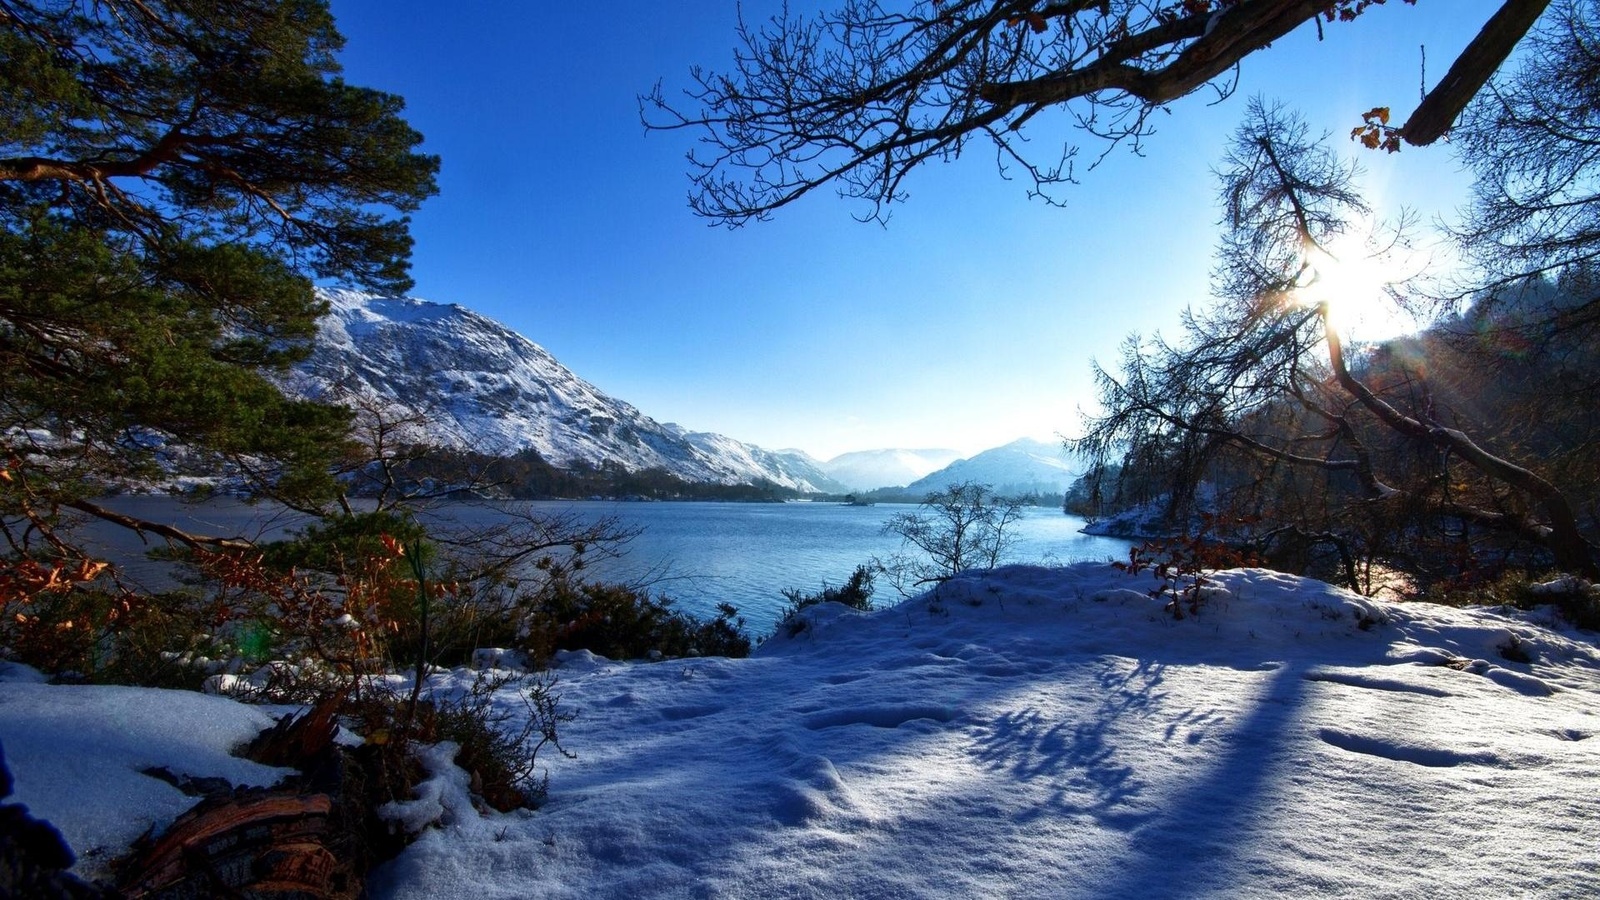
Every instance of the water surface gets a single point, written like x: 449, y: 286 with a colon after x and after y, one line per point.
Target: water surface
x: 700, y: 554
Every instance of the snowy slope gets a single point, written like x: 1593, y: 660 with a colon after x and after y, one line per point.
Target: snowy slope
x: 865, y: 470
x: 482, y: 387
x: 1025, y: 733
x: 1021, y: 466
x: 788, y: 467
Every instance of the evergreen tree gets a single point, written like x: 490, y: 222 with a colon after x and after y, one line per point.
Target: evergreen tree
x: 173, y: 175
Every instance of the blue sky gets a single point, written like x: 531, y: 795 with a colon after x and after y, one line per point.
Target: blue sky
x: 966, y: 323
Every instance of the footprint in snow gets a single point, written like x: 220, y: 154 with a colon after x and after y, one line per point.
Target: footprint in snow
x: 1399, y: 751
x: 679, y: 713
x: 1373, y: 682
x: 884, y: 716
x: 1570, y: 734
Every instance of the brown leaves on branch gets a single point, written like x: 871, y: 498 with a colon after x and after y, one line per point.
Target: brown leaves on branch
x: 1347, y: 10
x: 1375, y: 132
x: 1033, y: 20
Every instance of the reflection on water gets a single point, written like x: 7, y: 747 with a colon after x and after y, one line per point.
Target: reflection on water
x: 701, y: 554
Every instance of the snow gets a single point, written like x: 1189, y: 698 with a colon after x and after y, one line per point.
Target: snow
x: 470, y: 383
x: 1022, y: 466
x: 1028, y: 732
x: 79, y: 755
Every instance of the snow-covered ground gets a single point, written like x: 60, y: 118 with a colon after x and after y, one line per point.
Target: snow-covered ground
x: 1030, y: 732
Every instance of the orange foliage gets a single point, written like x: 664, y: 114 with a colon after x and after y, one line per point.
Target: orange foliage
x: 347, y: 621
x: 1181, y: 563
x: 1376, y: 133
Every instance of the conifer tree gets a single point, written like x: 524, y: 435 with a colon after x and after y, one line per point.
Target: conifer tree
x: 173, y: 176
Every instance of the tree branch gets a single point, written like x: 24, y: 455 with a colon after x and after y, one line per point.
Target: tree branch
x: 141, y: 526
x: 1471, y: 71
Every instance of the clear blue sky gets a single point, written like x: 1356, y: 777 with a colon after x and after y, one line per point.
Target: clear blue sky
x: 966, y: 323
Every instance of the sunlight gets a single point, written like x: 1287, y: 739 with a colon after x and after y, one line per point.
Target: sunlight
x: 1355, y: 282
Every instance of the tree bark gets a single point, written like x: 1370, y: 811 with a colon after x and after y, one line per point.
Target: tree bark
x: 1471, y: 71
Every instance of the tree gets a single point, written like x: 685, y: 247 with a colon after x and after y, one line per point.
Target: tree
x: 965, y: 526
x: 1524, y: 321
x: 1263, y: 380
x: 1531, y: 141
x: 172, y: 175
x: 861, y: 96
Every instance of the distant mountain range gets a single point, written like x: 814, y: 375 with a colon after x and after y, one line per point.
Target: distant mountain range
x: 1023, y: 466
x: 465, y: 382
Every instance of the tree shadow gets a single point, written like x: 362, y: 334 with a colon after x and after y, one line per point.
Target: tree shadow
x: 1028, y: 745
x: 1211, y: 818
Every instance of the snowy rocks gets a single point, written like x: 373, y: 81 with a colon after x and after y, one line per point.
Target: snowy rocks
x: 1564, y: 585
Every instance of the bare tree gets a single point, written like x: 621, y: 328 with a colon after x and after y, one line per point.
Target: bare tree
x: 860, y: 96
x: 965, y: 526
x: 1265, y: 376
x: 1532, y: 139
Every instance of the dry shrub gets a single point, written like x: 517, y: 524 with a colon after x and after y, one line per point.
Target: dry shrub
x: 1575, y: 600
x: 73, y: 620
x: 1180, y: 564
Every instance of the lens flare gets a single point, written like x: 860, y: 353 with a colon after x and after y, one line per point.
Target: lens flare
x: 1357, y: 285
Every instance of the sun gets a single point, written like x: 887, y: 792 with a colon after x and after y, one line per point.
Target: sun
x: 1357, y: 284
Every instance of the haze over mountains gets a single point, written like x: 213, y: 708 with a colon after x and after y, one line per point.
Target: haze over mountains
x: 462, y: 381
x: 864, y: 470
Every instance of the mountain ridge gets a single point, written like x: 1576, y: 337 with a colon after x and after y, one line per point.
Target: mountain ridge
x: 467, y: 382
x: 1024, y: 466
x: 865, y: 470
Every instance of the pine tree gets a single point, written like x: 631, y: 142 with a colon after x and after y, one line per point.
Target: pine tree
x: 173, y: 176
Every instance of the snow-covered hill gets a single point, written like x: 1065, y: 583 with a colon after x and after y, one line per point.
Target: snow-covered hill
x: 478, y: 385
x: 866, y: 470
x: 1022, y: 466
x: 1025, y: 732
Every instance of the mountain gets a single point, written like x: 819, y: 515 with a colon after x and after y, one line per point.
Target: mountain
x: 470, y: 383
x: 1020, y: 467
x: 866, y: 470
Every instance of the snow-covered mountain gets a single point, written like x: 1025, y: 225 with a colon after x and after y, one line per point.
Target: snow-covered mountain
x: 866, y: 470
x: 1022, y: 466
x: 473, y: 384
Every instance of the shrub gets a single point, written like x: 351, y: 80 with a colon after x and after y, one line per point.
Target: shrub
x: 965, y: 526
x: 856, y: 593
x: 1180, y: 565
x: 623, y: 622
x: 499, y: 746
x: 1574, y: 599
x: 69, y: 619
x: 322, y: 635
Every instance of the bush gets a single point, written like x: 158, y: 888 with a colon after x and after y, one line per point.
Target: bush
x: 108, y: 636
x: 1181, y: 564
x: 1574, y: 599
x: 856, y: 593
x: 965, y: 526
x: 623, y: 622
x: 499, y: 748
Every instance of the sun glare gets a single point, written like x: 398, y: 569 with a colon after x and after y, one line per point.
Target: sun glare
x: 1355, y: 284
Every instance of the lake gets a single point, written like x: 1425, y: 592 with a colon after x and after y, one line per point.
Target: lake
x: 700, y: 554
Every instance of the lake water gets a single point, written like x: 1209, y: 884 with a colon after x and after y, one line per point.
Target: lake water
x: 700, y: 554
